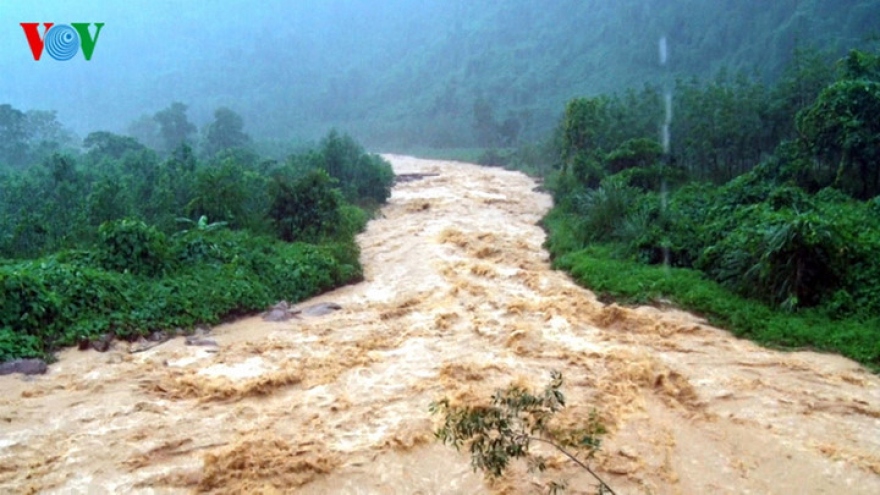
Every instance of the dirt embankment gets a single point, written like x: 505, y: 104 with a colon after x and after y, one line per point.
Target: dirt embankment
x: 458, y: 300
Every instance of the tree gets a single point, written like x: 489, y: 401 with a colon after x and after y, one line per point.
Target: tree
x: 361, y: 175
x: 13, y: 137
x: 509, y: 130
x: 800, y: 84
x: 861, y: 65
x: 375, y: 178
x: 106, y: 202
x: 146, y: 130
x: 632, y: 153
x: 720, y: 127
x: 340, y: 153
x: 583, y: 126
x: 843, y: 127
x: 485, y: 125
x: 174, y: 187
x: 45, y: 134
x: 225, y: 132
x: 106, y: 144
x: 62, y: 188
x: 229, y: 193
x: 307, y: 209
x: 174, y: 127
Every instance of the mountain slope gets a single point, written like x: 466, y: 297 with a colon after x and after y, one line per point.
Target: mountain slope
x: 407, y: 71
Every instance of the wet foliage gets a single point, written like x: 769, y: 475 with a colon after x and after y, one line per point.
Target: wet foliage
x: 514, y: 421
x: 119, y: 241
x: 792, y: 227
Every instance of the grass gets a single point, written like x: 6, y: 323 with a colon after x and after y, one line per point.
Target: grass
x: 630, y: 282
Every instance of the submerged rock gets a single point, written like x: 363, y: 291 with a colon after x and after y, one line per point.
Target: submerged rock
x: 281, y: 311
x: 202, y: 329
x: 141, y: 345
x: 277, y: 315
x: 200, y: 340
x: 24, y: 366
x: 158, y: 336
x: 321, y: 309
x: 103, y: 343
x: 152, y: 340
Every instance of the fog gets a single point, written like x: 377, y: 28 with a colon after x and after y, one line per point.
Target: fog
x: 432, y: 204
x: 392, y: 72
x: 285, y: 66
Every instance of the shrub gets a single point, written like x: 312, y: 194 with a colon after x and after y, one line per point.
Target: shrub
x: 373, y: 179
x: 27, y: 303
x: 307, y: 209
x: 361, y: 176
x: 601, y: 211
x: 656, y: 177
x: 516, y: 419
x: 229, y: 193
x: 587, y: 169
x: 131, y: 246
x: 60, y: 300
x: 14, y: 345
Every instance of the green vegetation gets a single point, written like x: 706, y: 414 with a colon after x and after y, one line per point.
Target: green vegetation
x: 769, y: 230
x: 600, y: 269
x: 204, y: 277
x: 432, y: 73
x: 504, y: 430
x: 122, y: 241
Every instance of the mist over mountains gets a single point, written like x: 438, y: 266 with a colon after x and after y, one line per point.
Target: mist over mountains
x: 400, y: 72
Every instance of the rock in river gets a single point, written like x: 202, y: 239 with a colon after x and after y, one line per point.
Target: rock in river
x: 24, y: 366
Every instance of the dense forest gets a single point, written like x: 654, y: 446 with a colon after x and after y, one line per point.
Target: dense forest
x: 402, y: 73
x: 761, y: 213
x: 123, y: 240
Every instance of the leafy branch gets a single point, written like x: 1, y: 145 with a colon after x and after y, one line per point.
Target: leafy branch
x: 503, y: 431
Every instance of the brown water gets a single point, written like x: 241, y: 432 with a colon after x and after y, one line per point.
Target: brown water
x: 458, y: 300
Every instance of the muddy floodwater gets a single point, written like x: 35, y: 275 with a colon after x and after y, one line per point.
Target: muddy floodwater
x: 459, y: 299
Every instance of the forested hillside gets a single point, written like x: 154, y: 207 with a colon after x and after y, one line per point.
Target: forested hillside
x: 399, y: 73
x: 760, y: 213
x: 752, y: 102
x: 124, y: 241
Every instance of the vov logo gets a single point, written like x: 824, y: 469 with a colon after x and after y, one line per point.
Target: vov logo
x: 61, y: 41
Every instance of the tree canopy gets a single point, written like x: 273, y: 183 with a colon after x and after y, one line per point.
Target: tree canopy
x: 226, y: 131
